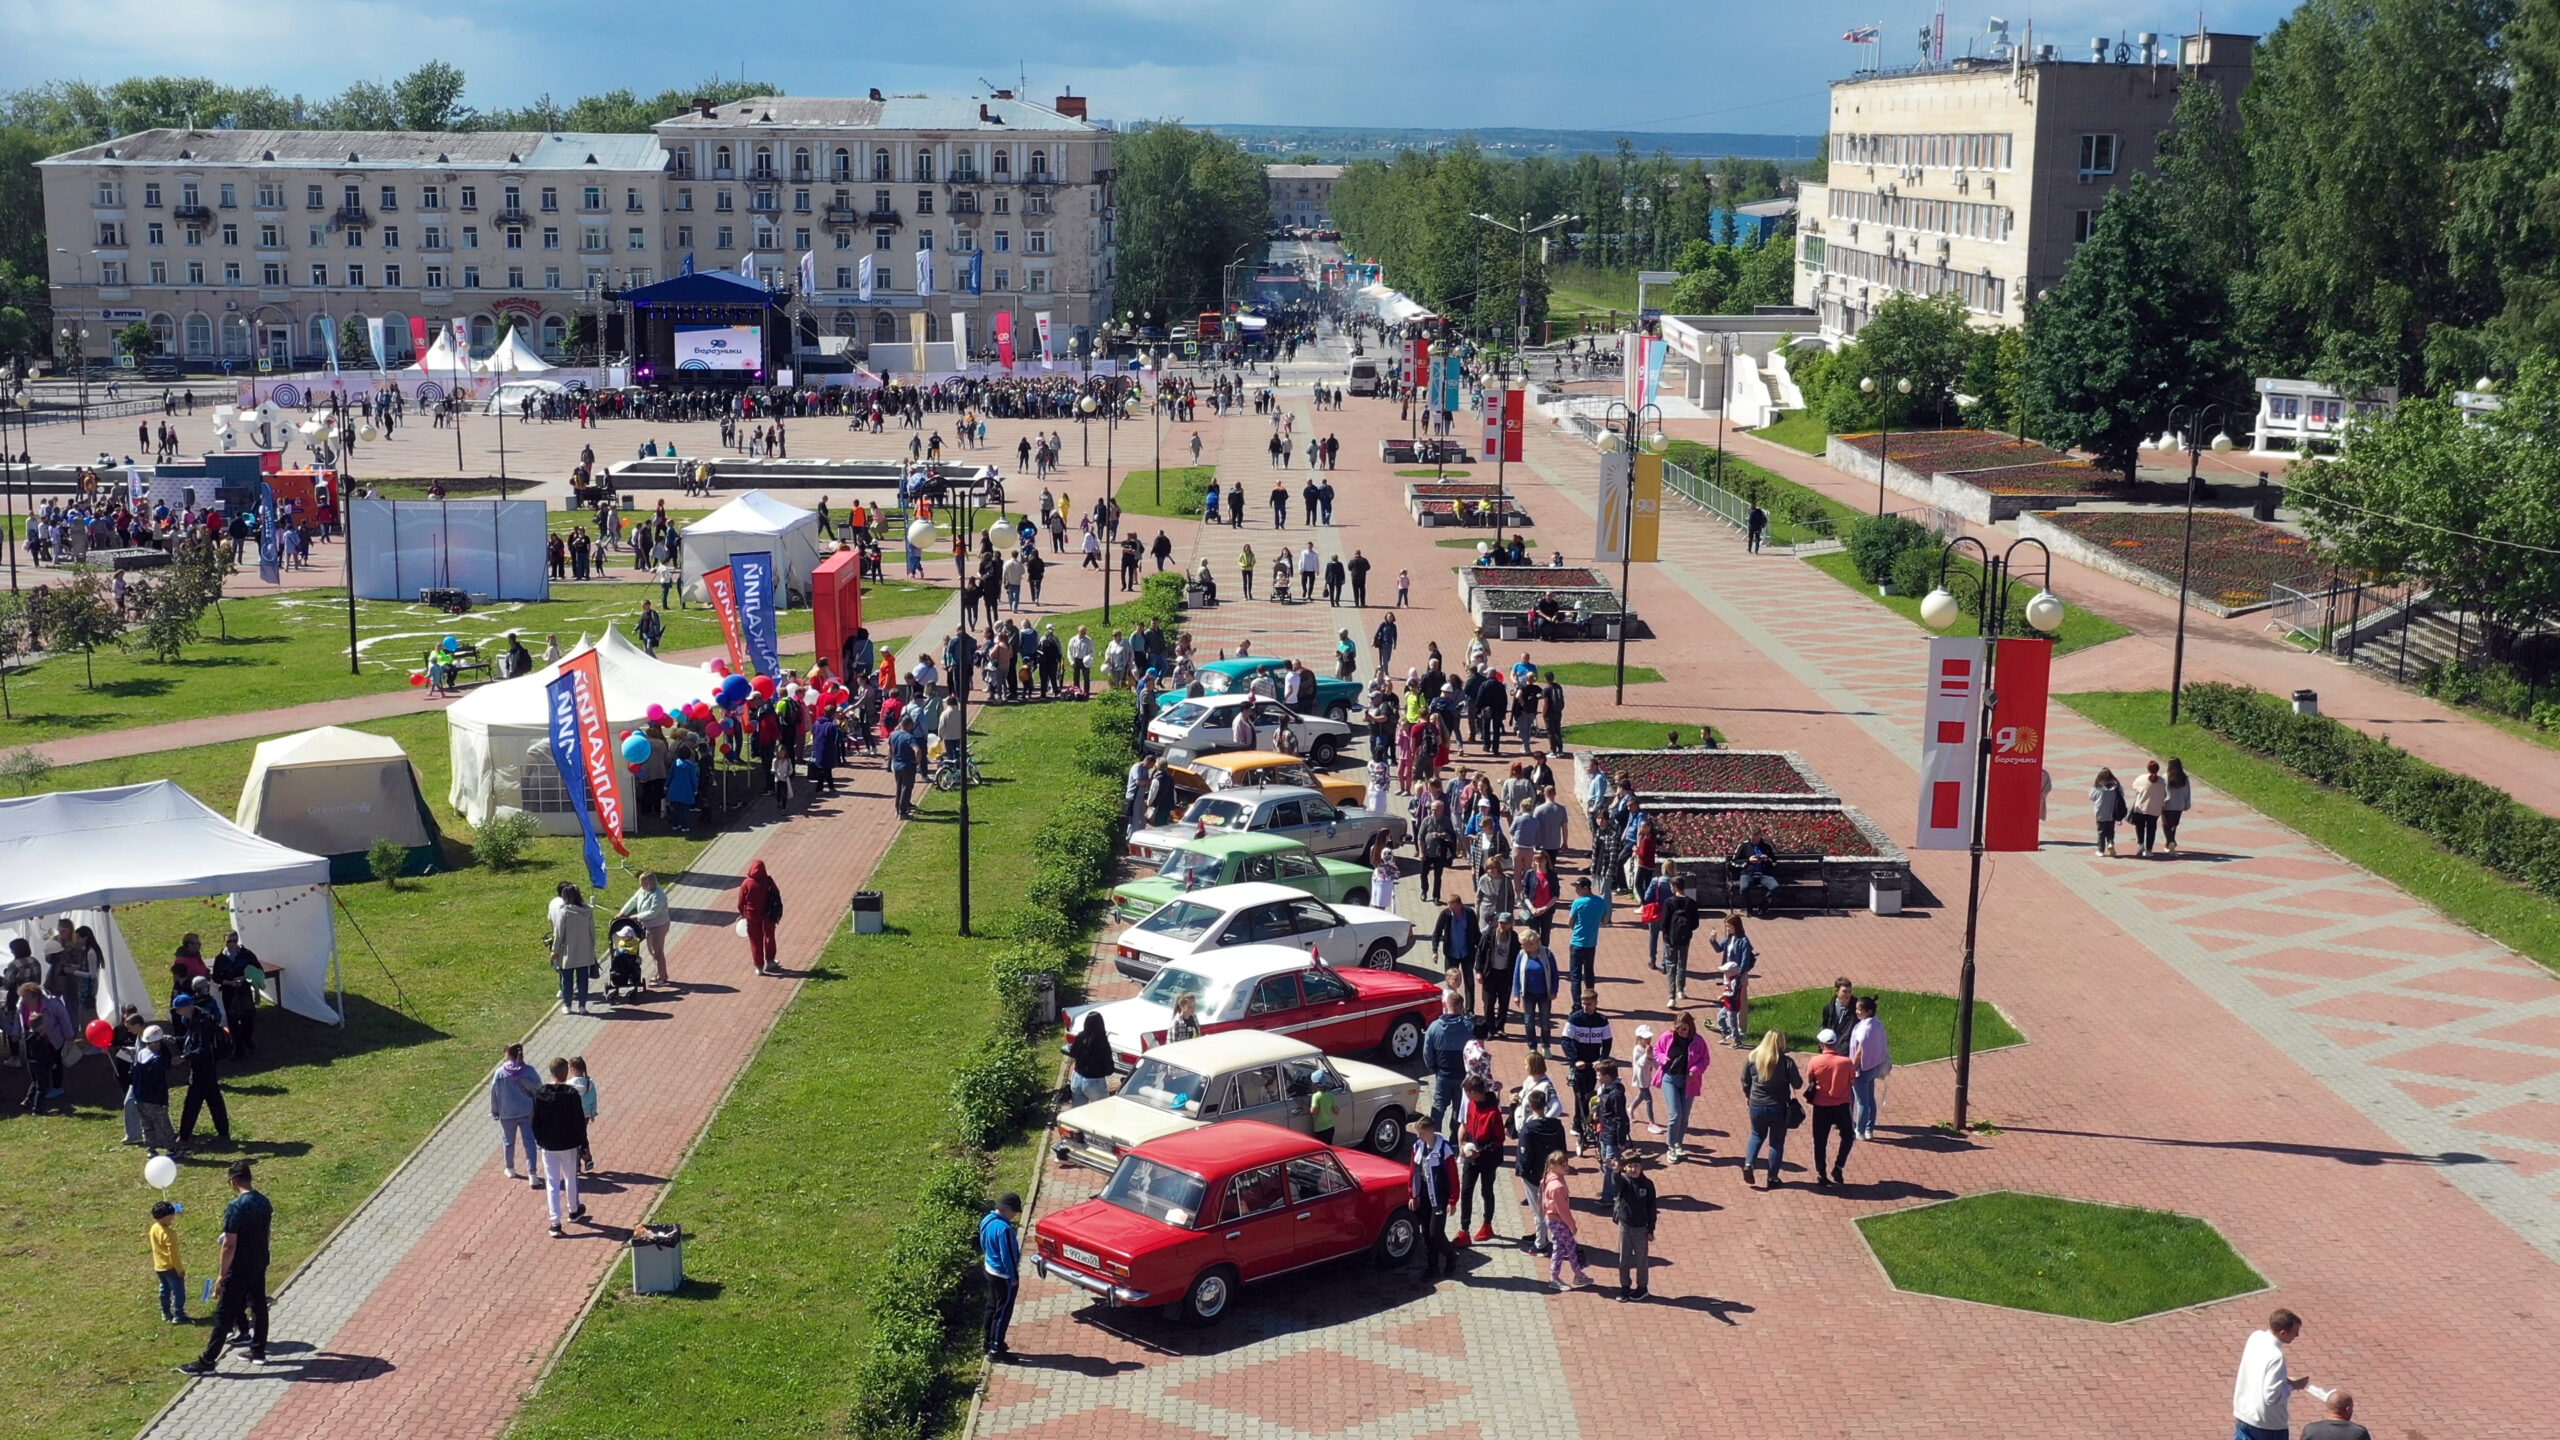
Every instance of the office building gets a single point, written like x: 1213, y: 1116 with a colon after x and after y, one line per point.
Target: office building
x: 1302, y: 195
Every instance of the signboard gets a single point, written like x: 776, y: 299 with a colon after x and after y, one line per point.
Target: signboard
x: 758, y: 602
x: 722, y: 587
x: 1609, y: 545
x: 2014, y: 805
x: 581, y: 746
x: 719, y: 347
x: 1645, y: 503
x: 1190, y: 347
x: 1948, y: 740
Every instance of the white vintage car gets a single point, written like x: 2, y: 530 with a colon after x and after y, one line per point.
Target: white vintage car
x: 1260, y: 913
x: 1239, y: 1075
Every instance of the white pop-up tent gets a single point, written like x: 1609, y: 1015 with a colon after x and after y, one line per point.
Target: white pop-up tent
x: 82, y: 853
x: 500, y: 734
x: 441, y: 361
x: 514, y: 357
x: 334, y: 792
x: 754, y: 521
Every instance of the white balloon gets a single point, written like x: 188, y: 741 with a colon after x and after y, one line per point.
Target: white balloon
x: 920, y: 533
x: 160, y: 1172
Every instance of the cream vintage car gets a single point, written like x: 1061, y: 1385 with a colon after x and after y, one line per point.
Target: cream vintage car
x: 1239, y: 1075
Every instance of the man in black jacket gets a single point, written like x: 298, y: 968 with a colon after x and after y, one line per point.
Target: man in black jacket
x: 240, y: 1292
x: 559, y: 1129
x: 205, y: 1044
x: 1679, y: 926
x: 1586, y: 1045
x: 1633, y: 1209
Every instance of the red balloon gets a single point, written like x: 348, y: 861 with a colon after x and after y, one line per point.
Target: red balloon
x: 102, y: 1035
x: 415, y: 678
x: 762, y: 685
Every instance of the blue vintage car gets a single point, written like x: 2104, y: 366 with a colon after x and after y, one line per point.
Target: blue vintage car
x: 1335, y: 699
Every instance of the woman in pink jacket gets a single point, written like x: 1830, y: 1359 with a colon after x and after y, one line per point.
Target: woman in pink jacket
x: 1680, y: 1055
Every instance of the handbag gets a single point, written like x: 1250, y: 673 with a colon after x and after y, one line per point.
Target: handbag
x: 1795, y: 1113
x: 1651, y: 914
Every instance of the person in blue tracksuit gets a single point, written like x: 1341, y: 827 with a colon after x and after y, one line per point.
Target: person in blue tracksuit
x: 1000, y: 1254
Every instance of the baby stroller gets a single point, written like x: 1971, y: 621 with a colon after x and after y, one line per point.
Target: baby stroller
x: 622, y: 979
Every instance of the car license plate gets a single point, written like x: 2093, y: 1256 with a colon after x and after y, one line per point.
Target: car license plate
x: 1085, y: 1258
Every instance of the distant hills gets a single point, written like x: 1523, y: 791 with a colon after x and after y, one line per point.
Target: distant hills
x: 1353, y: 142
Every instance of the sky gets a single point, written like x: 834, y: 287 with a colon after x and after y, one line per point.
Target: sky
x: 1724, y: 65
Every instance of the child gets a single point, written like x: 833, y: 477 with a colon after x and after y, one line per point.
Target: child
x: 1404, y: 588
x: 1648, y: 1077
x: 1729, y: 1010
x: 1555, y: 1204
x: 166, y: 1263
x: 1634, y: 1212
x: 587, y: 1097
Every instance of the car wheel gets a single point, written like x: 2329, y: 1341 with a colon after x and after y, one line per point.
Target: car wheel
x: 1380, y: 956
x: 1325, y: 751
x: 1386, y: 1131
x: 1211, y: 1293
x: 1404, y: 1038
x: 1338, y: 713
x: 1357, y: 897
x: 1397, y: 1239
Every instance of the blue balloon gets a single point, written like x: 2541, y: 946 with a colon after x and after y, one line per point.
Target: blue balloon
x: 734, y: 690
x: 452, y: 643
x: 635, y: 749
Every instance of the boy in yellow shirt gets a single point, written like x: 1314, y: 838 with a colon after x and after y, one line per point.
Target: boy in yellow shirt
x: 165, y: 1261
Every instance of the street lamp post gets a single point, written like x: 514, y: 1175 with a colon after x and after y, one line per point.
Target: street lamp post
x: 1085, y: 408
x: 75, y: 338
x: 1726, y: 345
x: 1992, y: 585
x: 1519, y: 346
x: 1884, y: 441
x: 2192, y: 421
x: 1625, y: 441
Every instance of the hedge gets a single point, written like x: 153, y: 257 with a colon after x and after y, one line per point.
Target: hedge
x: 916, y: 1294
x: 2476, y: 821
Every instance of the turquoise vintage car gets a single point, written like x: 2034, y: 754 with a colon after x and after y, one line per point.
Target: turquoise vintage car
x: 1335, y: 699
x: 1229, y: 859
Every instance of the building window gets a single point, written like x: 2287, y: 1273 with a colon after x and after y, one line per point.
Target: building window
x: 159, y: 272
x: 2097, y: 155
x: 230, y: 234
x: 639, y: 239
x: 592, y: 198
x: 924, y: 202
x: 321, y: 338
x: 2084, y: 223
x: 110, y: 272
x: 435, y: 277
x: 515, y: 237
x: 880, y: 165
x: 151, y: 196
x: 720, y: 162
x: 431, y: 238
x: 1039, y: 167
x: 924, y: 167
x: 684, y: 237
x: 319, y: 274
x: 199, y: 337
x: 550, y: 277
x: 390, y: 197
x: 195, y: 234
x: 190, y: 196
x: 230, y: 196
x: 1035, y: 242
x: 391, y: 276
x: 884, y: 239
x: 844, y: 164
x: 726, y: 240
x: 1039, y: 282
x: 723, y: 202
x: 271, y: 274
x: 153, y: 234
x: 1004, y: 241
x: 195, y: 272
x: 231, y: 273
x: 844, y: 277
x: 1003, y: 164
x: 110, y: 193
x: 684, y: 198
x: 164, y: 335
x: 468, y: 197
x: 764, y: 162
x: 355, y: 276
x: 768, y: 238
x: 631, y: 201
x: 844, y: 239
x: 311, y: 198
x: 110, y: 233
x: 390, y: 237
x: 799, y: 241
x: 470, y: 277
x: 484, y: 331
x: 470, y: 237
x: 800, y: 202
x: 1004, y: 279
x: 550, y: 237
x: 1004, y: 204
x: 515, y: 277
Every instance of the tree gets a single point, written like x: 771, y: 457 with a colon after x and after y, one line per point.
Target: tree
x: 2133, y: 328
x: 2469, y: 508
x: 80, y: 614
x: 2204, y: 180
x: 138, y: 340
x: 430, y: 98
x: 172, y: 612
x: 1925, y: 341
x: 1191, y: 202
x: 355, y: 342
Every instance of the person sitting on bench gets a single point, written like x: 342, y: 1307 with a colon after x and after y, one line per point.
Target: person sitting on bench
x: 1759, y: 872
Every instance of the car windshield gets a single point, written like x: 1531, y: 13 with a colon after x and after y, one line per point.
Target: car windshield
x: 1184, y: 715
x: 1285, y: 775
x: 1190, y: 867
x: 1217, y: 682
x: 1182, y: 920
x: 1159, y: 1086
x: 1158, y: 1192
x: 1217, y: 814
x: 1172, y: 984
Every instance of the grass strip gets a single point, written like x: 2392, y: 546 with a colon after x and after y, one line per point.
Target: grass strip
x: 1635, y: 734
x: 1919, y: 1025
x: 2059, y: 1257
x: 2080, y: 628
x: 2464, y: 890
x: 1184, y: 491
x: 1797, y: 430
x: 1592, y: 674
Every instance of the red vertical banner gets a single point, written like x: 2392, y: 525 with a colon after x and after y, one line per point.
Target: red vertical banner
x: 418, y: 337
x: 1947, y: 744
x: 2014, y: 805
x: 1004, y: 339
x: 595, y: 744
x: 722, y: 587
x: 1515, y: 412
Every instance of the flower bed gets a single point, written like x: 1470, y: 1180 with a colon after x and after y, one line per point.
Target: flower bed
x: 1535, y: 577
x: 1657, y: 773
x: 1453, y: 490
x: 1489, y: 600
x: 1929, y: 451
x: 1713, y: 833
x: 1445, y: 512
x: 2237, y: 560
x: 2046, y: 477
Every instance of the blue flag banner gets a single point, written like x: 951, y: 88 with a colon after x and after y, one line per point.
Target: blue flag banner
x: 977, y: 272
x: 270, y: 544
x: 759, y: 608
x: 688, y: 264
x: 568, y: 753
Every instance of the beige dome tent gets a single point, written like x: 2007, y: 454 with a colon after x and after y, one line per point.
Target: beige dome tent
x: 333, y: 792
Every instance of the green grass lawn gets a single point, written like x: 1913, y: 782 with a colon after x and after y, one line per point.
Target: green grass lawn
x: 2080, y: 628
x: 2463, y: 889
x: 1184, y: 490
x: 1797, y: 430
x: 2060, y: 1257
x: 1427, y: 474
x: 327, y: 1112
x: 1573, y: 290
x: 1633, y: 734
x: 1918, y: 1025
x: 1590, y: 673
x: 815, y: 1157
x: 1782, y: 498
x: 1469, y: 542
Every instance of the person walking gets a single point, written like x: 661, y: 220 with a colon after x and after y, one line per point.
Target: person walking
x: 647, y: 907
x: 2177, y: 797
x: 2262, y: 1394
x: 1582, y: 941
x: 1830, y: 1084
x: 1000, y: 1258
x: 205, y: 1045
x: 1433, y: 1193
x: 1871, y: 1051
x: 1769, y: 1080
x: 147, y: 1093
x: 1444, y: 1050
x: 2106, y: 807
x: 1680, y: 1056
x: 573, y: 946
x: 1555, y: 1207
x: 1679, y: 927
x: 512, y: 1087
x: 1480, y: 1140
x: 240, y: 1284
x: 2144, y: 799
x: 560, y: 1129
x: 43, y: 1026
x: 1534, y: 981
x: 1089, y: 1061
x: 1611, y: 1127
x: 1537, y: 1118
x: 760, y: 906
x: 1633, y: 1205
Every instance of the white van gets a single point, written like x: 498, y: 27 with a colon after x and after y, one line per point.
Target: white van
x: 1364, y: 377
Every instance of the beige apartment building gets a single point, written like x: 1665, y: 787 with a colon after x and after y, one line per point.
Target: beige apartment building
x: 1979, y: 177
x: 238, y: 246
x: 1302, y: 195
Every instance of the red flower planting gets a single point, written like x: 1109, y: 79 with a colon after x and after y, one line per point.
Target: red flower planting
x: 1537, y: 577
x: 1930, y: 451
x: 1717, y: 832
x: 1705, y: 772
x: 2054, y: 477
x: 2237, y: 559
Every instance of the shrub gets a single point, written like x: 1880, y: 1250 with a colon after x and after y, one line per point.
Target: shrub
x: 918, y: 1291
x: 25, y: 767
x: 2477, y: 821
x: 387, y: 858
x: 1876, y: 540
x: 1011, y: 974
x: 1915, y: 571
x: 995, y: 1088
x: 893, y: 1391
x: 501, y: 844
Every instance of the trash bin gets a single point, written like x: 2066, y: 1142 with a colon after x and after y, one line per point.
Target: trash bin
x: 1510, y: 629
x: 657, y: 1259
x: 2306, y: 702
x: 867, y: 916
x: 1044, y: 996
x: 1884, y: 892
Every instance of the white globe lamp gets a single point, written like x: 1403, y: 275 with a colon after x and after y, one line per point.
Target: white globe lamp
x: 920, y: 532
x: 1938, y: 609
x: 2045, y: 611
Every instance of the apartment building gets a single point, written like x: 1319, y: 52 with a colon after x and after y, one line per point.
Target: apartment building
x: 1979, y: 177
x: 240, y: 246
x: 1302, y: 195
x: 1015, y: 194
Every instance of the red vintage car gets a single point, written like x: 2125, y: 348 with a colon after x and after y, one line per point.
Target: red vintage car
x: 1187, y: 1219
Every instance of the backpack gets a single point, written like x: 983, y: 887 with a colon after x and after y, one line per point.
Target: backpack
x: 773, y: 907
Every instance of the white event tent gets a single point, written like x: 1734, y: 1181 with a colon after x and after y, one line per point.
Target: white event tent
x: 754, y: 521
x: 500, y: 733
x: 79, y: 854
x: 514, y: 357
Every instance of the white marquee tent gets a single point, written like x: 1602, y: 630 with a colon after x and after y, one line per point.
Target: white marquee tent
x: 334, y: 792
x: 82, y: 853
x: 754, y: 521
x: 440, y: 362
x: 514, y: 357
x: 500, y: 734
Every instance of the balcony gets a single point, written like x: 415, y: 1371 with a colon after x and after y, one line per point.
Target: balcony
x: 844, y: 214
x: 884, y: 217
x: 513, y: 216
x: 190, y: 213
x: 350, y: 217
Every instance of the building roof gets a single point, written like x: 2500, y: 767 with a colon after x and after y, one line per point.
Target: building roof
x: 1766, y: 208
x: 895, y: 112
x: 377, y: 149
x: 1303, y: 172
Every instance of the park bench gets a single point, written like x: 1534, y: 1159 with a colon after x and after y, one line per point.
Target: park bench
x: 1801, y: 883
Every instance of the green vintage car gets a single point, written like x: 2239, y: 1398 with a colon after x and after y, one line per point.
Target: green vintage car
x: 1230, y: 859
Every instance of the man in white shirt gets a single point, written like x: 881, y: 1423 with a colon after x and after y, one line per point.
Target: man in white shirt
x: 2262, y: 1396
